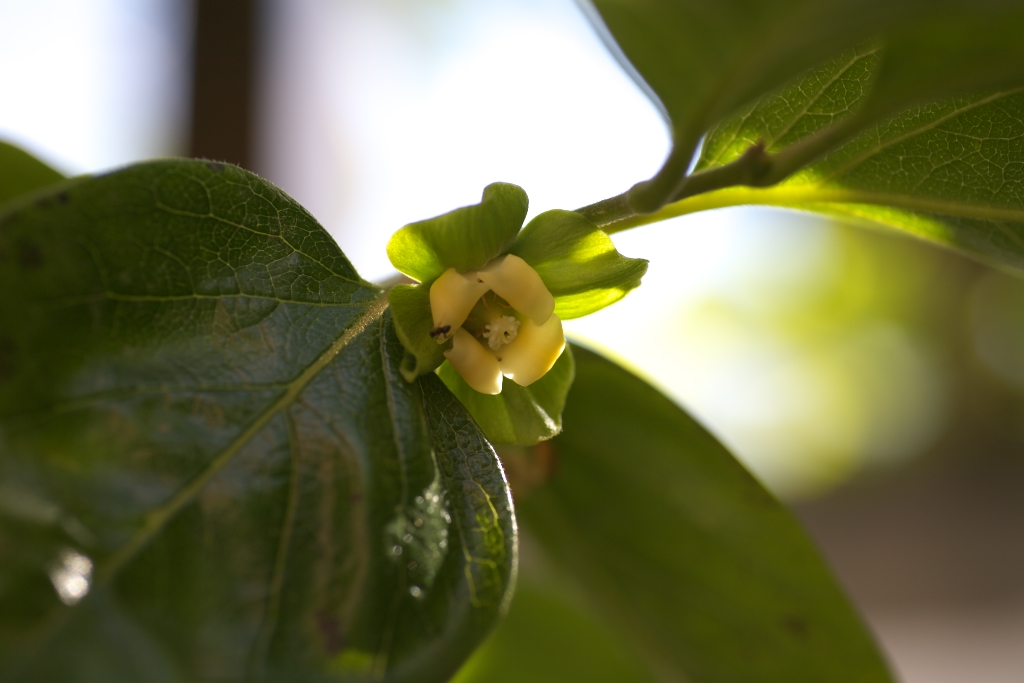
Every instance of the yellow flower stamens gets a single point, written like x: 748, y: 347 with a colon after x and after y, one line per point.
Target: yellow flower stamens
x: 522, y: 347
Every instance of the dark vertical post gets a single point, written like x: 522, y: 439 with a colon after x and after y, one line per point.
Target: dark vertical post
x: 222, y: 86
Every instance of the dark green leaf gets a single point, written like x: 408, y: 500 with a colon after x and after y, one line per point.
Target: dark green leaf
x: 518, y: 415
x: 20, y: 173
x: 682, y: 551
x: 203, y: 422
x: 547, y: 639
x: 577, y: 262
x: 410, y: 306
x: 464, y: 239
x: 705, y: 60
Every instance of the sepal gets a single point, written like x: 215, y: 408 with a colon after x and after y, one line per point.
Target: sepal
x: 518, y: 415
x: 578, y: 262
x: 410, y: 311
x: 465, y: 239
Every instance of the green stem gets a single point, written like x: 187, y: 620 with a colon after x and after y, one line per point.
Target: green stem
x: 755, y: 168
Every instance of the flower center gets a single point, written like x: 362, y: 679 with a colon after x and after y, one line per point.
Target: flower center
x: 500, y: 332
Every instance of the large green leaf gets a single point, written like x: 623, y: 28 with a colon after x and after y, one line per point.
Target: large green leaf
x: 203, y: 427
x: 950, y: 172
x: 784, y: 118
x: 20, y: 173
x: 682, y: 551
x: 704, y: 59
x: 548, y: 639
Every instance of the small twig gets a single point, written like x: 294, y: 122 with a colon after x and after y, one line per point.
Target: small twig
x: 754, y: 168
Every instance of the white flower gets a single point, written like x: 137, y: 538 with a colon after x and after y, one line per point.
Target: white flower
x: 523, y: 339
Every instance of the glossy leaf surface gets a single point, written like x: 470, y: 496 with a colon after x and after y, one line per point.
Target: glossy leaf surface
x: 704, y: 59
x: 211, y: 467
x: 465, y: 238
x: 20, y: 172
x: 681, y: 550
x: 577, y: 262
x: 518, y: 415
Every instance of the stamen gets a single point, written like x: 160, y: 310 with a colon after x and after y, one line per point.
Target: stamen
x: 500, y: 332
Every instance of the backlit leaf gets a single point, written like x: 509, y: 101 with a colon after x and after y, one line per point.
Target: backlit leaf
x: 704, y: 60
x: 950, y: 172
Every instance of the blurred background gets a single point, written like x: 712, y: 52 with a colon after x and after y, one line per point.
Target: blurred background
x: 873, y: 382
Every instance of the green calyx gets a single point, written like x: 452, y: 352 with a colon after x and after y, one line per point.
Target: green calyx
x: 464, y: 239
x: 576, y: 261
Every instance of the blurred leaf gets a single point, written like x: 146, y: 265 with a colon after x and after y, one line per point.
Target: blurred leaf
x: 465, y: 238
x: 578, y: 262
x: 20, y: 173
x: 682, y: 551
x: 518, y: 415
x: 204, y: 428
x: 704, y: 60
x: 547, y: 639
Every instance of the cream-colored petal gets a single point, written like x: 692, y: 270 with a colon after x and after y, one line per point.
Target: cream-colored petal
x: 532, y: 353
x: 452, y: 297
x: 474, y: 363
x: 515, y: 281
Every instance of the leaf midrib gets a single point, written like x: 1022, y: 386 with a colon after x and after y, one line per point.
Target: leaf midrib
x: 158, y: 518
x: 811, y: 101
x: 848, y: 166
x: 806, y: 196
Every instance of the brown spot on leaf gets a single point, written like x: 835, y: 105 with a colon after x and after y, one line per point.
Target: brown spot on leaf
x: 28, y: 254
x: 796, y: 625
x: 528, y: 468
x: 330, y: 628
x: 6, y: 358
